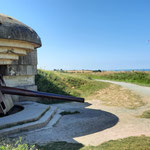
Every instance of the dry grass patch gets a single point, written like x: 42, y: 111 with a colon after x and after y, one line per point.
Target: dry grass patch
x: 116, y: 95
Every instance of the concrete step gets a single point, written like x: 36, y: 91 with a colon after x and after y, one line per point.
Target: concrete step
x: 32, y: 112
x: 50, y: 124
x: 32, y: 124
x: 55, y: 119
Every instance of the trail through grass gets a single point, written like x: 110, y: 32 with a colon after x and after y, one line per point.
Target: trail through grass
x: 116, y: 95
x: 141, y: 78
x: 82, y: 85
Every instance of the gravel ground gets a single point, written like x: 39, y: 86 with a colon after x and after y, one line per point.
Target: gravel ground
x: 88, y: 121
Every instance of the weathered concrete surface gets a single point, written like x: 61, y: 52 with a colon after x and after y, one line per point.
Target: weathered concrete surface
x: 33, y: 116
x: 16, y: 81
x: 11, y: 28
x: 69, y: 127
x: 12, y: 49
x: 6, y: 103
x: 18, y: 54
x: 32, y: 111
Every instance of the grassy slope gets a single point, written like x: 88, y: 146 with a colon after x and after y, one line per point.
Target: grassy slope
x: 67, y: 84
x: 81, y: 85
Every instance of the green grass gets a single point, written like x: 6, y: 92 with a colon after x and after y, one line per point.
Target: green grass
x: 141, y: 78
x: 130, y: 143
x: 67, y: 84
x: 146, y: 114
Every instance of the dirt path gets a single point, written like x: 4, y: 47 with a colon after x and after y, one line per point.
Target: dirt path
x: 141, y: 90
x: 129, y: 124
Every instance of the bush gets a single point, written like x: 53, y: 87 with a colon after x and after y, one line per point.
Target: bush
x: 18, y: 145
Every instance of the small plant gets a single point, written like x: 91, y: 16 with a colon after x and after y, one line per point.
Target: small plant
x: 17, y: 145
x: 69, y: 113
x: 146, y: 114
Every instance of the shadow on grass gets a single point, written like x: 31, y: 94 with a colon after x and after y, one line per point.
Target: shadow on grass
x: 61, y: 146
x: 46, y: 85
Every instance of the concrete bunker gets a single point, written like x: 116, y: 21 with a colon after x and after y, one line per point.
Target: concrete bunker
x: 18, y: 64
x: 18, y: 55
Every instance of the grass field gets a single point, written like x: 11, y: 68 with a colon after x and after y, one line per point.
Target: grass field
x: 140, y: 78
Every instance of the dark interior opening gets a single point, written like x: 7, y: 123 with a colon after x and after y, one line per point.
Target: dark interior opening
x: 3, y: 69
x: 13, y: 110
x: 3, y: 105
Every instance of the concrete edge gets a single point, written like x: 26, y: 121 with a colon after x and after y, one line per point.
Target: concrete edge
x: 24, y: 121
x: 30, y: 126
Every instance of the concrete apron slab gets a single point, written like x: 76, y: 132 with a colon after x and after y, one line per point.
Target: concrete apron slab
x: 34, y: 115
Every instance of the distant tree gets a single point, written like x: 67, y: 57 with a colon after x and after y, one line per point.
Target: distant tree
x: 97, y: 70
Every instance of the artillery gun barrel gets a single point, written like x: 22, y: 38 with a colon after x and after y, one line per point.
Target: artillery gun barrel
x: 31, y: 93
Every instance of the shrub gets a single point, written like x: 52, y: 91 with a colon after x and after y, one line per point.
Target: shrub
x: 18, y: 145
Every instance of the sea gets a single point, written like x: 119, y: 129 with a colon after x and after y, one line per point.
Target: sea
x: 129, y: 70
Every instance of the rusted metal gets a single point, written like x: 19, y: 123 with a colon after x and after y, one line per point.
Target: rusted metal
x: 23, y: 92
x: 4, y: 90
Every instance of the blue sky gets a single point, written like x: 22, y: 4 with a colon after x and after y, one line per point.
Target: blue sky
x: 87, y: 34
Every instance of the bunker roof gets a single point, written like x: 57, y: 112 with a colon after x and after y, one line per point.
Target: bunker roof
x: 13, y: 29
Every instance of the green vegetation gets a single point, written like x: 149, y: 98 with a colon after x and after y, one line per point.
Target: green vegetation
x: 141, y: 78
x: 130, y: 143
x: 82, y: 85
x: 69, y: 113
x: 15, y: 145
x: 146, y: 114
x: 67, y: 84
x: 61, y: 146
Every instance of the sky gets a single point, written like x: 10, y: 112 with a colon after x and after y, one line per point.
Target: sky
x: 87, y: 34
